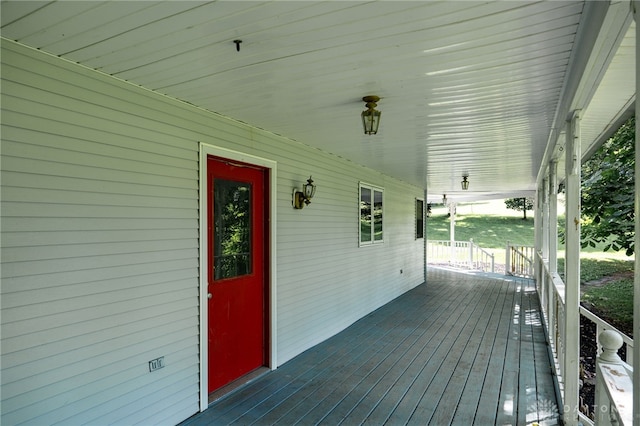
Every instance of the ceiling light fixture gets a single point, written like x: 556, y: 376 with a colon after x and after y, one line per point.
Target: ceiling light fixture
x: 371, y: 117
x: 465, y: 181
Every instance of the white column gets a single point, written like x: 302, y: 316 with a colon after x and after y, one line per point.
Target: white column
x: 636, y: 281
x: 553, y: 240
x: 538, y: 251
x: 572, y: 272
x: 539, y: 226
x: 538, y: 218
x: 452, y: 230
x: 426, y: 236
x: 553, y: 216
x: 545, y: 219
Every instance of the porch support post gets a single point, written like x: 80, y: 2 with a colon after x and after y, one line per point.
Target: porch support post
x: 426, y: 236
x: 545, y: 219
x: 538, y: 225
x: 549, y: 290
x: 452, y: 231
x: 537, y: 219
x: 572, y: 273
x: 553, y: 216
x: 635, y: 5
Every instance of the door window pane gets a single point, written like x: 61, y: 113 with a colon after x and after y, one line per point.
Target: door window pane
x: 232, y: 228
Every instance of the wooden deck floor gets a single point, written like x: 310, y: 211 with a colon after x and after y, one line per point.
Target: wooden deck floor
x: 460, y: 350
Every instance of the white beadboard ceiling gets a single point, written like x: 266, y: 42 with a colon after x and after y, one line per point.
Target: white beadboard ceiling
x: 477, y: 87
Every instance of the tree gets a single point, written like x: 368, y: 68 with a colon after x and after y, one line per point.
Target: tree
x: 520, y: 204
x: 608, y: 192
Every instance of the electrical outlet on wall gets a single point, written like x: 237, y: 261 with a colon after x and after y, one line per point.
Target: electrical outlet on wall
x: 156, y: 364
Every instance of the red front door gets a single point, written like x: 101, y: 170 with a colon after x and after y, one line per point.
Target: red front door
x: 237, y: 290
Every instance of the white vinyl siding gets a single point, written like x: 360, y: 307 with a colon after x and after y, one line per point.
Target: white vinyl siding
x: 99, y: 253
x: 100, y: 242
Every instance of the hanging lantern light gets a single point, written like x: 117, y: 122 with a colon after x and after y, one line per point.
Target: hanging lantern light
x: 465, y: 181
x: 371, y: 117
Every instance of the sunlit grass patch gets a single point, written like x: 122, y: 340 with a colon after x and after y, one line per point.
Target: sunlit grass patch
x: 595, y: 268
x: 486, y: 231
x: 614, y: 301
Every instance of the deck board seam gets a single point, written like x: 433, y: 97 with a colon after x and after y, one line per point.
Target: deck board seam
x: 442, y: 308
x: 461, y: 339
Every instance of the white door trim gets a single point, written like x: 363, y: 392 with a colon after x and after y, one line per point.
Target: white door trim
x: 205, y: 151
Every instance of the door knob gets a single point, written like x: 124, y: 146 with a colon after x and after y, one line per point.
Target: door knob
x: 209, y: 295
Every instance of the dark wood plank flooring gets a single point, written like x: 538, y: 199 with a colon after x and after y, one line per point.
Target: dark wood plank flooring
x: 461, y: 349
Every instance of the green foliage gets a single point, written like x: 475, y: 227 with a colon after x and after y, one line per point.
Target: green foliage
x: 608, y: 193
x: 232, y: 239
x: 519, y: 204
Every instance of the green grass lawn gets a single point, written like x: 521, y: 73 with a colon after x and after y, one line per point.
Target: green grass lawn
x: 486, y: 231
x: 491, y: 232
x: 615, y: 302
x: 607, y: 288
x: 596, y: 268
x: 612, y: 300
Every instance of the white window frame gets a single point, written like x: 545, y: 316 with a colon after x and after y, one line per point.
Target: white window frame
x: 424, y: 231
x: 373, y: 189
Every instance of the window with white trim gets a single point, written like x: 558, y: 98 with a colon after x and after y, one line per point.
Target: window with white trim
x: 371, y: 214
x: 419, y: 218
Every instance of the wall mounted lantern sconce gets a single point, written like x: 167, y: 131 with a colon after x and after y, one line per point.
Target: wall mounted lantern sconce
x: 444, y: 199
x: 465, y: 181
x: 300, y: 198
x: 371, y: 117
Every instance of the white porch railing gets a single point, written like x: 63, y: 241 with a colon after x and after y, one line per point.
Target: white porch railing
x: 613, y: 376
x: 519, y: 260
x: 602, y: 325
x: 614, y: 384
x: 462, y: 254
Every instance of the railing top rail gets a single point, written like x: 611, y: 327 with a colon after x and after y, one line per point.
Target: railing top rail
x: 593, y: 317
x: 483, y: 250
x: 619, y: 387
x: 558, y: 284
x: 457, y: 243
x: 445, y: 242
x: 521, y: 254
x: 520, y: 245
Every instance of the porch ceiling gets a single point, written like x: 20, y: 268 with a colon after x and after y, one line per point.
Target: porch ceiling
x: 473, y: 87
